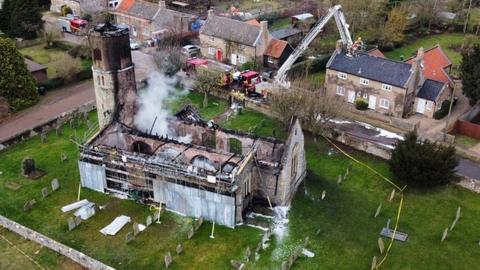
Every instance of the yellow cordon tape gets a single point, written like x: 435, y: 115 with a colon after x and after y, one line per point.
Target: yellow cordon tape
x: 400, y: 206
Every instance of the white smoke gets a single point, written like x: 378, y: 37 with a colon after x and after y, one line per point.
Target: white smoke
x: 153, y: 103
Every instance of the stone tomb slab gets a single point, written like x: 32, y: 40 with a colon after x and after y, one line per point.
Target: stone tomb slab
x: 55, y: 184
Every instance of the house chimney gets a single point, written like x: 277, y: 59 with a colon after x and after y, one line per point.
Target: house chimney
x: 417, y: 63
x: 162, y: 4
x: 339, y: 46
x: 211, y: 13
x: 265, y: 34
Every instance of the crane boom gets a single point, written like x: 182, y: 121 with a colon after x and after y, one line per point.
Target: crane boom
x: 336, y: 12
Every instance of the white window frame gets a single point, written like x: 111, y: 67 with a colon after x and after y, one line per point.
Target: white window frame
x: 386, y: 87
x: 364, y: 81
x: 211, y: 50
x: 384, y: 103
x: 242, y: 59
x: 340, y: 91
x: 342, y: 75
x: 270, y: 60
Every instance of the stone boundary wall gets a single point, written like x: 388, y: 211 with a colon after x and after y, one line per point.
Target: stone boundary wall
x: 47, y: 125
x: 62, y: 249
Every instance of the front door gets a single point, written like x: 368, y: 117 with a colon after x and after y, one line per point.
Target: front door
x: 219, y: 55
x: 421, y: 106
x: 351, y: 96
x: 372, y: 102
x: 233, y: 59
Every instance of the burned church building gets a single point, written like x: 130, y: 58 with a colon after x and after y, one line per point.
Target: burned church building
x: 216, y: 175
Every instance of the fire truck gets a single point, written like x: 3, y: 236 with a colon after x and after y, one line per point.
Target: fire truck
x: 72, y: 24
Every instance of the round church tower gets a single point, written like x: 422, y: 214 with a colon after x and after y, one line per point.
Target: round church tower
x: 113, y: 74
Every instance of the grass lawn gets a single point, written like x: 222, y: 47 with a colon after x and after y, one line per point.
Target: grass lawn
x: 445, y: 41
x: 215, y: 106
x: 348, y: 237
x: 317, y: 79
x: 466, y: 141
x: 280, y: 23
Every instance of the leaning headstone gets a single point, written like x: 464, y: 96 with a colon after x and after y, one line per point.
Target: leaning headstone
x: 339, y: 179
x: 136, y: 229
x: 44, y: 192
x: 71, y: 224
x: 29, y: 205
x: 392, y: 196
x: 58, y: 130
x: 236, y: 264
x: 43, y: 137
x: 190, y: 233
x: 381, y: 245
x: 324, y: 193
x: 379, y: 208
x: 374, y: 263
x: 199, y: 223
x: 247, y: 254
x: 318, y: 231
x: 129, y: 237
x: 148, y: 222
x: 179, y: 249
x: 55, y: 184
x: 78, y: 220
x: 28, y: 166
x: 444, y: 235
x: 285, y: 265
x: 168, y: 259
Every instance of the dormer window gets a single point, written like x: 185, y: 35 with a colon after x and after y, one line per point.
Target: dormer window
x: 364, y: 81
x: 386, y: 87
x: 342, y: 75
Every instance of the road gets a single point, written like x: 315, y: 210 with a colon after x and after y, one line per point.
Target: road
x: 65, y: 99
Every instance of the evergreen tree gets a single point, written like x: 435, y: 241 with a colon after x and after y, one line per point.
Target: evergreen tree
x: 17, y: 85
x: 423, y: 164
x: 21, y: 18
x: 470, y: 73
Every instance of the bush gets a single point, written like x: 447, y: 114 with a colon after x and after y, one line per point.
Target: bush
x: 80, y: 51
x: 66, y: 10
x: 361, y: 104
x: 53, y: 83
x: 443, y: 111
x: 250, y: 65
x: 61, y: 45
x: 423, y: 164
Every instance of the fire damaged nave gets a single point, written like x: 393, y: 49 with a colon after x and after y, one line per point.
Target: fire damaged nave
x: 199, y: 169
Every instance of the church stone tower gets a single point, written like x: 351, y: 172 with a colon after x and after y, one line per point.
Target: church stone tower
x: 113, y: 74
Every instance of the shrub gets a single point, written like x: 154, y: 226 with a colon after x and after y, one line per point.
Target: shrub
x: 66, y: 10
x: 423, y: 164
x: 443, y: 111
x: 80, y: 51
x: 68, y: 67
x: 250, y: 65
x: 361, y: 104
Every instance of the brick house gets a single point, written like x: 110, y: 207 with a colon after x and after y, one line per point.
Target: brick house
x: 80, y: 7
x: 389, y: 87
x: 147, y: 20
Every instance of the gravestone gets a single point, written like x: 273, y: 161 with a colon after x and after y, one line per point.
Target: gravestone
x: 29, y: 205
x: 179, y: 249
x: 340, y: 178
x: 374, y: 263
x: 78, y: 220
x: 306, y: 242
x: 392, y: 196
x: 148, y: 222
x: 168, y: 259
x: 318, y: 231
x: 28, y: 166
x: 71, y: 224
x: 247, y: 254
x: 199, y: 223
x: 55, y: 184
x: 129, y: 237
x: 190, y: 233
x: 259, y: 247
x: 444, y: 235
x: 379, y: 208
x: 236, y: 264
x: 136, y: 229
x: 381, y: 245
x: 58, y: 130
x: 285, y: 265
x: 43, y: 137
x: 44, y: 192
x: 291, y: 261
x: 324, y: 193
x: 63, y: 157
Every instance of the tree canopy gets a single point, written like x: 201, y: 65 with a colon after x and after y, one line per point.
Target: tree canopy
x: 21, y: 18
x: 17, y: 85
x: 470, y: 73
x: 423, y: 164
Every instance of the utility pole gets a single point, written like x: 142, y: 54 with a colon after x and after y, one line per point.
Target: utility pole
x: 449, y: 113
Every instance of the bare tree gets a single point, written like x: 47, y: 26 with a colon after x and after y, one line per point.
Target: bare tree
x: 67, y: 67
x: 169, y: 60
x: 467, y: 17
x: 207, y: 81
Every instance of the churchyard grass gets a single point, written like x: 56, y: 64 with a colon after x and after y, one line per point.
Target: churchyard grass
x: 348, y: 230
x: 215, y: 106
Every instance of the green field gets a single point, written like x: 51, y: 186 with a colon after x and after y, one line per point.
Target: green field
x: 348, y: 237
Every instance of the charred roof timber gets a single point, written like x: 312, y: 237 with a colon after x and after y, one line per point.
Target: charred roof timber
x: 109, y: 30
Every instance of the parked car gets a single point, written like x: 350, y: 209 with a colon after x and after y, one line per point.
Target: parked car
x: 191, y: 50
x: 134, y: 45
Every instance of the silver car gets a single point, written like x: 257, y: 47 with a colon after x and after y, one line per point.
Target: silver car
x: 134, y: 45
x: 191, y: 50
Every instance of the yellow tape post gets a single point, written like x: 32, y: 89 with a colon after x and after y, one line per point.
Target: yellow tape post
x: 400, y: 206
